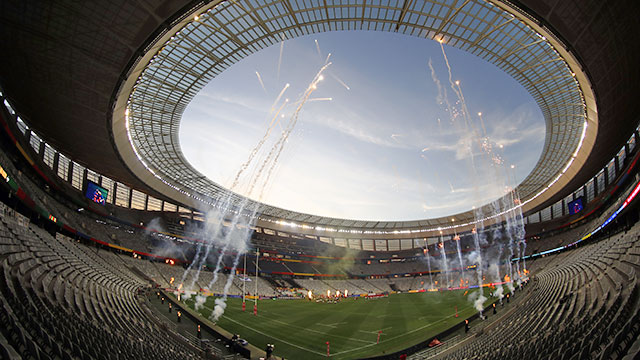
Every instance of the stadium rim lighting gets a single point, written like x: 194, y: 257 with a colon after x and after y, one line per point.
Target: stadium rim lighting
x: 147, y: 168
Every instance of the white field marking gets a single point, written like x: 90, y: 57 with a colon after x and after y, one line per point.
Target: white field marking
x: 376, y: 331
x: 315, y: 331
x: 425, y: 316
x: 334, y: 324
x: 273, y: 337
x: 397, y: 336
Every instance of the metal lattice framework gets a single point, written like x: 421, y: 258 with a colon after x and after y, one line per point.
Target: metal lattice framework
x: 217, y: 35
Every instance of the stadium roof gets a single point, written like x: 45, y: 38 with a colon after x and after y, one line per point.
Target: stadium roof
x: 64, y: 62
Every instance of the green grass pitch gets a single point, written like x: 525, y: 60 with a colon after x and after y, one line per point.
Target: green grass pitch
x: 300, y: 328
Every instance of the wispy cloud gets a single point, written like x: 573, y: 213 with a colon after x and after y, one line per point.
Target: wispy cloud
x: 383, y: 150
x: 355, y: 128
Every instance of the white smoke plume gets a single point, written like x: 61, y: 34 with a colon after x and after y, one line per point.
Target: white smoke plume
x: 478, y: 299
x: 499, y: 292
x: 218, y: 310
x: 229, y: 224
x: 200, y: 301
x: 487, y: 167
x: 155, y: 225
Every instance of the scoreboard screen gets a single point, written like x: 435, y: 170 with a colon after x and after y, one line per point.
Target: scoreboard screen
x: 575, y: 206
x: 96, y: 193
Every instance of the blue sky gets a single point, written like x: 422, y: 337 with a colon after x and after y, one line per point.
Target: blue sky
x: 383, y: 149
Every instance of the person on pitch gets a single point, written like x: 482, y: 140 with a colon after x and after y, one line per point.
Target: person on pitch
x: 269, y: 350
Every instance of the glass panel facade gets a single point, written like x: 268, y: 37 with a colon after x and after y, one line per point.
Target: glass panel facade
x: 381, y: 245
x: 169, y: 207
x: 137, y: 200
x: 367, y: 245
x: 122, y: 195
x: 154, y: 204
x: 77, y: 175
x: 340, y: 242
x: 354, y: 244
x: 590, y: 190
x: 600, y: 181
x: 108, y: 184
x: 93, y: 176
x: 63, y: 167
x: 49, y: 155
x: 35, y: 141
x: 394, y: 244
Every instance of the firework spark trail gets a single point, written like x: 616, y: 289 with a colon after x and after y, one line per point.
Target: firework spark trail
x: 442, y: 98
x: 320, y: 99
x: 484, y: 130
x: 226, y: 243
x: 434, y: 77
x: 446, y: 60
x: 258, y: 146
x: 455, y: 86
x: 426, y: 253
x: 478, y: 213
x: 516, y: 226
x: 515, y: 223
x: 234, y: 240
x: 277, y: 148
x: 225, y: 205
x: 443, y: 255
x: 524, y: 250
x: 221, y: 303
x: 513, y: 234
x: 497, y: 270
x: 261, y: 83
x: 462, y: 268
x: 275, y: 103
x: 318, y: 48
x: 340, y: 81
x: 216, y: 270
x: 227, y: 240
x: 510, y: 283
x: 452, y: 84
x: 186, y: 272
x: 213, y: 234
x: 468, y: 125
x: 479, y: 265
x: 210, y: 237
x: 517, y: 262
x: 498, y: 278
x: 499, y: 289
x: 280, y: 57
x: 200, y: 261
x: 275, y: 120
x: 519, y: 218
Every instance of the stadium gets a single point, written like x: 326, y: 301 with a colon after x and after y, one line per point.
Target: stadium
x: 305, y: 179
